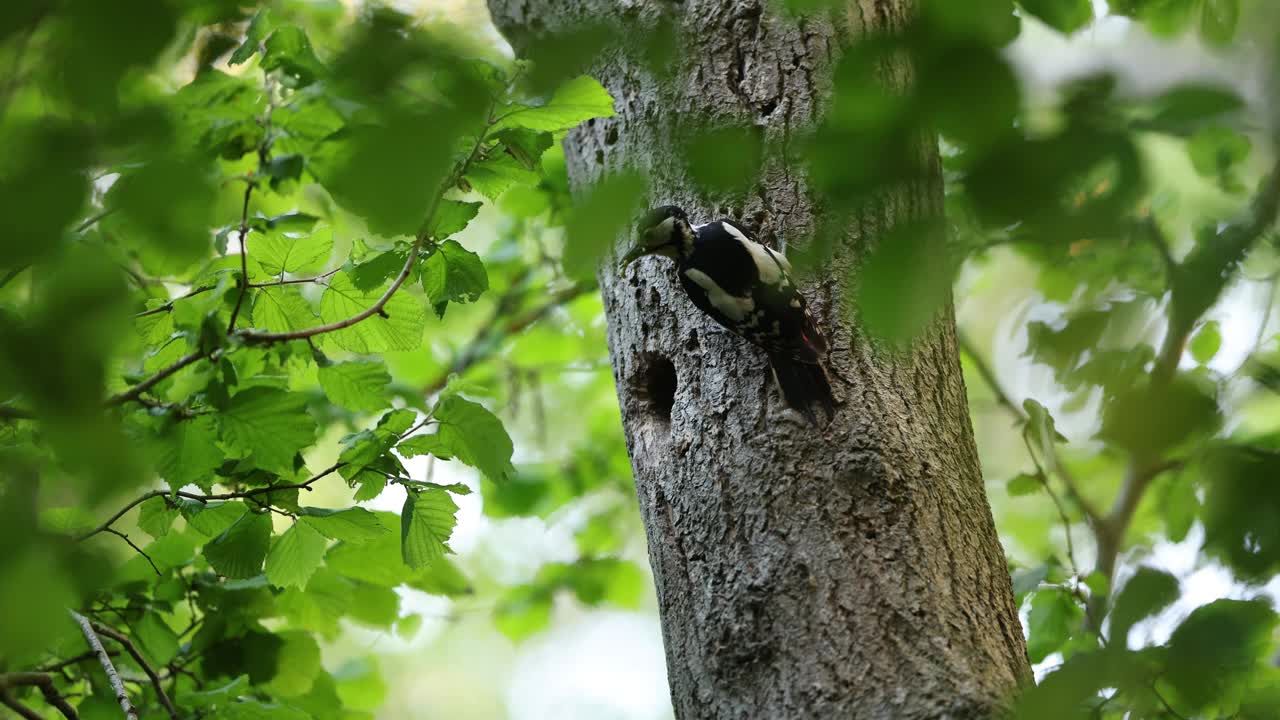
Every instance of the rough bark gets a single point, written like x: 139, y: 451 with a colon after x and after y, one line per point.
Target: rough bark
x: 852, y: 571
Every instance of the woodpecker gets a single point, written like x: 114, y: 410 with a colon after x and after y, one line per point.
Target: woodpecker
x: 746, y: 287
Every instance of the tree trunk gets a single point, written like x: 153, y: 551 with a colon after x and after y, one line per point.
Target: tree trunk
x: 848, y: 572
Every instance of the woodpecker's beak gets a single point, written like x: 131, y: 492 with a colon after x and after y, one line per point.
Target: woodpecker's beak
x: 632, y: 255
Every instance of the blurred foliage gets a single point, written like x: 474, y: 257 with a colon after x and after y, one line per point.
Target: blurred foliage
x: 234, y: 229
x: 198, y: 440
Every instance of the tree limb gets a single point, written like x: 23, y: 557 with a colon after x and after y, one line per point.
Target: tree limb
x: 132, y: 649
x: 44, y: 682
x: 117, y: 685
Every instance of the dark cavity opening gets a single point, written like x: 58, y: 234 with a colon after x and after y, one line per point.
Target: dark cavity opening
x: 656, y: 386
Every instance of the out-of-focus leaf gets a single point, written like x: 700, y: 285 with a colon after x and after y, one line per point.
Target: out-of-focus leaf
x: 289, y: 51
x: 1215, y: 153
x: 1214, y: 651
x: 1149, y: 420
x: 1218, y: 21
x: 1206, y: 342
x: 905, y: 282
x: 1055, y: 616
x: 1146, y: 593
x: 1242, y: 499
x: 1024, y: 484
x: 595, y: 223
x: 1066, y: 16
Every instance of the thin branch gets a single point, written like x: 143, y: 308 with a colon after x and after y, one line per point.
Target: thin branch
x: 1056, y: 466
x: 106, y: 526
x: 133, y: 392
x: 244, y: 257
x: 169, y: 305
x: 44, y: 682
x: 1057, y: 503
x: 117, y: 685
x: 57, y: 666
x: 989, y: 377
x: 297, y: 281
x: 23, y: 711
x: 9, y: 276
x: 139, y: 550
x: 482, y: 347
x: 93, y: 220
x: 130, y: 648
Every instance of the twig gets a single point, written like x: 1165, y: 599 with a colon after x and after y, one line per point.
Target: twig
x: 117, y: 685
x: 12, y: 703
x: 57, y: 666
x: 297, y: 281
x: 481, y: 348
x: 133, y: 392
x: 250, y: 336
x: 244, y: 257
x: 106, y: 526
x: 1057, y: 503
x: 1056, y: 465
x: 44, y: 682
x: 93, y: 220
x: 989, y: 376
x: 130, y: 648
x: 167, y: 307
x: 139, y: 550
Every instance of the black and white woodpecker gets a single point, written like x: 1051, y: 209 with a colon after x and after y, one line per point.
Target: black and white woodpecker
x: 746, y: 287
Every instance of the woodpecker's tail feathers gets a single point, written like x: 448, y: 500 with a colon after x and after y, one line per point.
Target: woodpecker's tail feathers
x: 803, y: 384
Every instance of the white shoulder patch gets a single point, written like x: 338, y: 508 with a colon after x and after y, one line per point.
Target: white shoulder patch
x: 735, y: 308
x: 767, y: 261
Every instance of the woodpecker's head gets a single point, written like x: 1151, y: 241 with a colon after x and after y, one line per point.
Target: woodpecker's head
x: 662, y: 231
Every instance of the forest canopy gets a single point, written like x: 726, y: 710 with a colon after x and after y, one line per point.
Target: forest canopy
x: 284, y: 285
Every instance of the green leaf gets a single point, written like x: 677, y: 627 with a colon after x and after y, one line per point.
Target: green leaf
x: 906, y: 281
x: 1218, y: 21
x: 576, y: 101
x: 1024, y: 484
x: 156, y: 517
x: 291, y: 252
x: 1146, y: 593
x: 295, y: 556
x: 289, y: 51
x: 282, y: 309
x: 598, y: 219
x: 1212, y: 654
x: 258, y: 29
x: 297, y: 665
x: 452, y: 216
x: 271, y: 424
x: 526, y: 146
x: 354, y: 525
x: 189, y: 453
x: 495, y: 175
x: 523, y: 612
x: 240, y: 550
x: 360, y: 386
x: 399, y: 327
x: 476, y: 436
x: 430, y: 444
x: 1206, y: 342
x: 210, y: 518
x: 158, y: 640
x: 1065, y: 16
x: 453, y: 274
x: 426, y: 522
x: 1216, y: 152
x: 1054, y: 617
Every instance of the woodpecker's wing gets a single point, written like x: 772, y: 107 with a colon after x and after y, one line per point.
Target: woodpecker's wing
x: 747, y: 288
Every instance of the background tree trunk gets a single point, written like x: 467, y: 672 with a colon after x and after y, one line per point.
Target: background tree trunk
x: 849, y: 572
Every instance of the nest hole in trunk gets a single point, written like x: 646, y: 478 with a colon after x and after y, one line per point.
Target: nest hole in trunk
x: 654, y: 383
